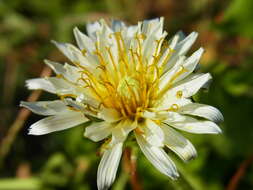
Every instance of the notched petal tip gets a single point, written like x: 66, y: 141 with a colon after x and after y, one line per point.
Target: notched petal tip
x: 54, y: 42
x: 28, y: 84
x: 31, y: 131
x: 22, y: 104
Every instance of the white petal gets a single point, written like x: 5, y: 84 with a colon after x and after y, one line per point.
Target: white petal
x: 70, y: 72
x: 148, y: 26
x: 192, y: 125
x: 109, y: 114
x: 83, y: 41
x: 98, y: 131
x: 51, y: 84
x: 179, y: 36
x: 85, y: 96
x: 76, y: 56
x: 201, y: 110
x: 190, y: 64
x: 118, y: 25
x: 149, y: 115
x: 167, y: 79
x: 56, y: 67
x: 61, y: 86
x: 190, y: 85
x: 158, y: 157
x: 169, y: 100
x: 179, y: 144
x: 153, y: 133
x: 129, y: 36
x: 74, y: 105
x: 40, y: 84
x: 46, y: 107
x: 108, y: 166
x: 167, y: 54
x: 174, y: 40
x: 154, y: 32
x: 57, y: 123
x: 66, y: 49
x: 92, y: 28
x: 181, y: 48
x: 121, y: 130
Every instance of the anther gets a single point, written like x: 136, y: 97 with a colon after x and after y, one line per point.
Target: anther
x: 179, y: 94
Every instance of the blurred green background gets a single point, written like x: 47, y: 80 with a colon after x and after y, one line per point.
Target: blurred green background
x: 66, y: 160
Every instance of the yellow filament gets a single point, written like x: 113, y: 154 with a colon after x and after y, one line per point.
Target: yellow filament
x: 132, y: 93
x: 167, y: 57
x: 112, y: 59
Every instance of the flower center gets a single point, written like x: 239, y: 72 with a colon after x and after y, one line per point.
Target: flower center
x: 125, y: 78
x: 128, y: 87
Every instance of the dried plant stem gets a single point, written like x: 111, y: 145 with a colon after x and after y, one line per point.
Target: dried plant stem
x: 234, y: 181
x: 130, y: 167
x: 19, y: 121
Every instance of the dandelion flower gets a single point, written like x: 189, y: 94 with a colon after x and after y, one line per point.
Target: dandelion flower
x: 132, y: 80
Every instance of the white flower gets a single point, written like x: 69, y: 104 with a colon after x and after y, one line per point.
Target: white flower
x: 132, y: 81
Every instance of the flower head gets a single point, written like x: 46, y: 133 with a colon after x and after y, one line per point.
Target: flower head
x: 134, y: 81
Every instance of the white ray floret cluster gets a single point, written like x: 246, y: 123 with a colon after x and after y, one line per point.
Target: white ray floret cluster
x: 133, y: 81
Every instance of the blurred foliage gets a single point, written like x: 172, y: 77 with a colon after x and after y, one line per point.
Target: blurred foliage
x: 66, y: 160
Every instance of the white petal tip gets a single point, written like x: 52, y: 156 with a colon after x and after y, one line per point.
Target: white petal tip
x: 31, y: 132
x: 30, y: 84
x: 103, y: 188
x: 201, y: 50
x: 219, y: 131
x: 57, y: 44
x: 46, y: 61
x: 76, y: 30
x: 54, y: 42
x: 194, y: 34
x: 220, y: 118
x: 86, y: 135
x: 22, y: 104
x: 174, y: 176
x: 216, y: 130
x: 191, y: 157
x: 35, y: 133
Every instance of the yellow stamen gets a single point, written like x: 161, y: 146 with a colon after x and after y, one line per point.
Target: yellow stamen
x: 179, y: 94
